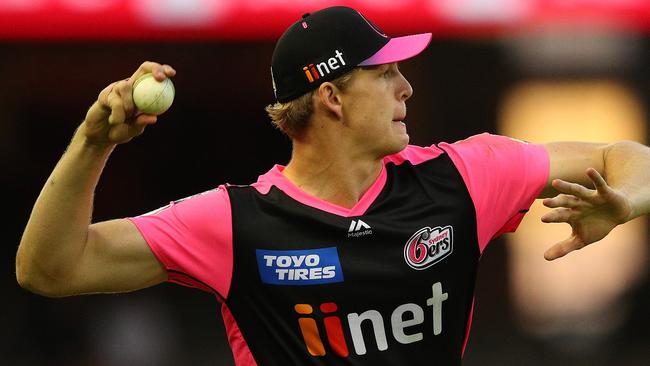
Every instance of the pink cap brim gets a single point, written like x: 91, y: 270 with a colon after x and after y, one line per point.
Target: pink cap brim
x: 398, y: 49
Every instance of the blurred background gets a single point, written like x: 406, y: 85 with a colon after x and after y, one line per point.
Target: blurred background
x: 538, y: 70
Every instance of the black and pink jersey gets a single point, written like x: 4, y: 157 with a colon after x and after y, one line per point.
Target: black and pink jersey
x: 389, y: 281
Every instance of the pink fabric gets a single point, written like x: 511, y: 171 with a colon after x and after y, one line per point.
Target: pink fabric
x: 276, y: 178
x: 238, y: 345
x: 192, y: 238
x: 414, y: 154
x: 503, y: 176
x: 467, y: 329
x: 398, y: 49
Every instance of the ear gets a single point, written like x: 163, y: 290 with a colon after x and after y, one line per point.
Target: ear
x: 330, y: 98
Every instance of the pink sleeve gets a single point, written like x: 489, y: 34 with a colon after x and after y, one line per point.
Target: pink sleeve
x: 192, y: 238
x: 503, y: 176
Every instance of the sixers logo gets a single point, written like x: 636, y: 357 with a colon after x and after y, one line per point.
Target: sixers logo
x: 429, y: 246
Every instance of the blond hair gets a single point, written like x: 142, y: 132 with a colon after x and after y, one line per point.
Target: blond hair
x: 292, y: 117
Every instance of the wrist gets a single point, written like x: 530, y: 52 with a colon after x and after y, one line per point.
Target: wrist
x: 92, y: 146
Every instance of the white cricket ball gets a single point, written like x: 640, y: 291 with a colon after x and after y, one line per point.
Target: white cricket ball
x: 152, y: 96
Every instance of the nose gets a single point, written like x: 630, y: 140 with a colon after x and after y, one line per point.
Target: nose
x: 405, y: 90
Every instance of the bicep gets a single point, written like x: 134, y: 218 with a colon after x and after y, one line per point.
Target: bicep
x: 569, y: 161
x: 116, y: 258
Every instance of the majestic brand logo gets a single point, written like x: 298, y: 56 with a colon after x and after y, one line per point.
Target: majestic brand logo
x: 429, y: 246
x: 402, y: 323
x: 320, y: 69
x: 299, y: 267
x: 359, y: 228
x: 158, y: 210
x: 518, y: 140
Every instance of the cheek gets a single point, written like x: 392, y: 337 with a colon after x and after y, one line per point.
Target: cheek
x: 374, y: 119
x: 377, y: 107
x: 361, y: 110
x: 370, y: 110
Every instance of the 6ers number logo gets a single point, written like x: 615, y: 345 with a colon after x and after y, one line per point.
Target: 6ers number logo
x: 429, y: 246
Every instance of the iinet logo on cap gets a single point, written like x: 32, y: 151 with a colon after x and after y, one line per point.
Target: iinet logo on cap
x: 315, y: 72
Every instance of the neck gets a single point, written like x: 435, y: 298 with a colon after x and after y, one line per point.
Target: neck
x: 332, y: 173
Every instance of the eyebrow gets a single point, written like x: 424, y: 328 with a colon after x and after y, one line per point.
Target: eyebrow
x: 371, y: 67
x: 381, y: 67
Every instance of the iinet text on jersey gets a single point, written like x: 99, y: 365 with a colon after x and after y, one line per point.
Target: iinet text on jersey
x: 403, y: 317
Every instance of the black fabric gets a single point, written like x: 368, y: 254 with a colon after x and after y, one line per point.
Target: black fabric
x: 376, y: 275
x: 315, y: 39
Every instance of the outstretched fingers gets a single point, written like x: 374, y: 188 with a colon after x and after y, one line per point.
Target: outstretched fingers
x: 599, y: 182
x: 573, y: 189
x: 566, y: 208
x: 558, y: 215
x: 563, y: 248
x: 591, y: 213
x: 563, y: 200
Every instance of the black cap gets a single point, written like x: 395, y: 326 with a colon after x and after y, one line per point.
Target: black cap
x: 330, y: 42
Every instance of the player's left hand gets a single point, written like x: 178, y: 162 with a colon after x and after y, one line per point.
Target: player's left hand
x: 592, y: 213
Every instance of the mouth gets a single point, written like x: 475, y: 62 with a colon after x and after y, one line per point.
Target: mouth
x: 399, y: 124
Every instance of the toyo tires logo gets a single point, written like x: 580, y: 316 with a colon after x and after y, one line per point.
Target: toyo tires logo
x: 429, y: 246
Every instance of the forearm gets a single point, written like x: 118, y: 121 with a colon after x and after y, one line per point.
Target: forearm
x: 55, y: 235
x: 627, y: 169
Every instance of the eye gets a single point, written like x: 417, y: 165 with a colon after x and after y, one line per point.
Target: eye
x: 390, y: 71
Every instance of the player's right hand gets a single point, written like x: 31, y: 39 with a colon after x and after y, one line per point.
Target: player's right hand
x: 113, y: 118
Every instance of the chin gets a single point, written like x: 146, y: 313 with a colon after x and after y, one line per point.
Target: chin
x: 401, y: 141
x: 401, y: 137
x: 397, y: 145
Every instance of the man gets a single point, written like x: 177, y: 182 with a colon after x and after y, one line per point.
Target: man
x: 362, y: 250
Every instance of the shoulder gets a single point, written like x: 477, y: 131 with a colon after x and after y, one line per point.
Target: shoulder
x: 475, y: 144
x: 486, y: 147
x: 414, y: 154
x: 483, y: 140
x: 198, y: 207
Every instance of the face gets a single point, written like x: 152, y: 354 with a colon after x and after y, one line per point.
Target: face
x: 374, y: 108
